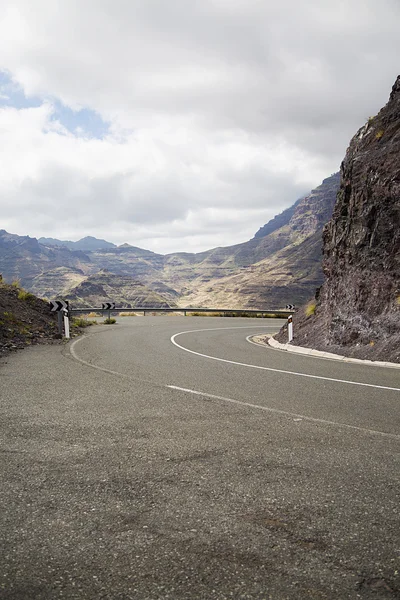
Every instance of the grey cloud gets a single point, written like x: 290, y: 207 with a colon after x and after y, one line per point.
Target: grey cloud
x: 301, y: 75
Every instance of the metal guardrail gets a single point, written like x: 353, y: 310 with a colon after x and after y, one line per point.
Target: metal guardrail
x: 185, y: 310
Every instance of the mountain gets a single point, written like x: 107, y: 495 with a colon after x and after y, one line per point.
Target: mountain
x: 56, y: 282
x: 23, y: 258
x: 279, y: 268
x: 277, y: 222
x: 125, y: 291
x: 281, y: 264
x: 86, y: 244
x: 357, y: 310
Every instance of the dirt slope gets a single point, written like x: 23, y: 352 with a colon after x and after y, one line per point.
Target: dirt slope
x: 24, y: 319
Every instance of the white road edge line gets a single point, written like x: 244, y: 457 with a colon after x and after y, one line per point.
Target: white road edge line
x: 88, y: 364
x: 231, y: 400
x: 282, y: 412
x: 295, y: 373
x: 74, y: 354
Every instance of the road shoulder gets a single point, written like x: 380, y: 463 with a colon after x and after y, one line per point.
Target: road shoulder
x: 264, y: 339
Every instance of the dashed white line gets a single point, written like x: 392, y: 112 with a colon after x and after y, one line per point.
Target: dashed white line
x: 282, y: 412
x: 250, y: 366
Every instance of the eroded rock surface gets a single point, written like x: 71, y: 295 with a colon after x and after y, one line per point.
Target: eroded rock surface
x: 358, y: 306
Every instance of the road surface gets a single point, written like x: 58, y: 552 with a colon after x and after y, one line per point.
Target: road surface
x: 169, y: 457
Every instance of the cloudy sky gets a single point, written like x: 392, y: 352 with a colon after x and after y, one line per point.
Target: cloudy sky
x: 181, y: 125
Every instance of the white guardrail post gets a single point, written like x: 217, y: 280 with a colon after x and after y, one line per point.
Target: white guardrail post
x: 66, y: 323
x: 290, y: 328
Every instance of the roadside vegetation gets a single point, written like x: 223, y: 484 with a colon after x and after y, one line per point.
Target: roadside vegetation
x: 82, y: 322
x: 310, y: 309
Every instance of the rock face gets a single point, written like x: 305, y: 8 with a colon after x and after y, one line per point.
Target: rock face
x: 358, y: 306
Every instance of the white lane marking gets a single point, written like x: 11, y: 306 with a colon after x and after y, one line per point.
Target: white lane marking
x: 231, y: 400
x: 88, y: 364
x: 282, y: 412
x: 295, y: 373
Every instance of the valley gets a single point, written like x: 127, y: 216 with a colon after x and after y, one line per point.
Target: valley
x: 281, y: 264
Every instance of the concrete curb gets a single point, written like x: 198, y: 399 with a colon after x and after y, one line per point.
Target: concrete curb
x: 317, y: 353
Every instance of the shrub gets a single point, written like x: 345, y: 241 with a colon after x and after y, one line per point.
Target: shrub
x: 379, y: 134
x: 24, y: 295
x: 81, y: 322
x: 310, y: 309
x: 93, y: 314
x: 109, y: 321
x: 16, y: 283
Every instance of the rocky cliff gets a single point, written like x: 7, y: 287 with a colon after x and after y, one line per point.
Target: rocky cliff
x: 358, y: 306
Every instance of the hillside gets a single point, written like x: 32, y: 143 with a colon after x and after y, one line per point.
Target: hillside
x: 125, y: 291
x: 281, y: 264
x: 357, y: 310
x: 24, y: 319
x: 23, y: 258
x: 284, y: 266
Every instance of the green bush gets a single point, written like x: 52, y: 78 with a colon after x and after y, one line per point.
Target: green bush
x: 109, y: 321
x: 81, y: 322
x: 24, y: 295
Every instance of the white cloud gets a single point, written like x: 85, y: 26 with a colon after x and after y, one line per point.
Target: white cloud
x: 221, y: 112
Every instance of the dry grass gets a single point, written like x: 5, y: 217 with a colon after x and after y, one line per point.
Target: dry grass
x: 127, y: 314
x: 81, y: 322
x: 310, y: 309
x: 24, y: 295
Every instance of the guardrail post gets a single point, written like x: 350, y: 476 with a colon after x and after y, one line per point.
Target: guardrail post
x: 66, y: 323
x: 290, y: 328
x: 60, y: 322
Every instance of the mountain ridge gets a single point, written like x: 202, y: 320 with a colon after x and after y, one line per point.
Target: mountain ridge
x: 198, y: 279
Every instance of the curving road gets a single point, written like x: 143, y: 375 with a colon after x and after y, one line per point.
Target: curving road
x: 169, y: 457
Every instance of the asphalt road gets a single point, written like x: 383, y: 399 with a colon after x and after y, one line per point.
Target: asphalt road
x: 202, y: 466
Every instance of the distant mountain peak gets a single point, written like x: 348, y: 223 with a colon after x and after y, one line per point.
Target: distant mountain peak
x: 87, y: 243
